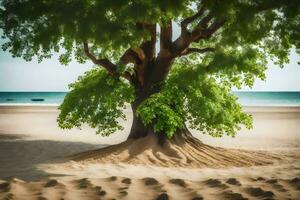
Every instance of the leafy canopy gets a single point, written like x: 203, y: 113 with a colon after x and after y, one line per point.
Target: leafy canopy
x: 222, y: 44
x: 96, y: 99
x: 37, y: 28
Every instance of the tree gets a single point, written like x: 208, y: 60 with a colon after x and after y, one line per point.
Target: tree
x: 187, y: 78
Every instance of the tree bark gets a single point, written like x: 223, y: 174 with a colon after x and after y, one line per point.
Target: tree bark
x: 155, y: 73
x: 138, y: 129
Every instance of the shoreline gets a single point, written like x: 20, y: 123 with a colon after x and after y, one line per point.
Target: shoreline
x: 57, y: 104
x: 54, y: 108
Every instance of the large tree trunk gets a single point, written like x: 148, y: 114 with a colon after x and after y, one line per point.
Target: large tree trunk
x: 152, y: 77
x: 138, y: 129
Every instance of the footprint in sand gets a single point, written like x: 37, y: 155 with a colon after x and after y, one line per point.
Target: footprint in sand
x: 295, y: 182
x: 215, y: 183
x: 123, y: 188
x: 163, y: 196
x: 274, y: 183
x: 42, y: 198
x: 84, y: 183
x: 230, y: 195
x: 51, y: 183
x: 233, y: 181
x: 126, y: 181
x: 102, y: 193
x: 150, y: 181
x: 48, y: 188
x: 99, y: 191
x: 178, y: 182
x: 258, y: 192
x: 113, y: 178
x: 123, y: 193
x: 279, y: 188
x: 197, y: 198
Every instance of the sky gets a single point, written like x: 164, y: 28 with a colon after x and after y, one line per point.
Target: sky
x: 18, y: 75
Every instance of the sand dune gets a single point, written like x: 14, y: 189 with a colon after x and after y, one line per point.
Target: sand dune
x: 34, y: 162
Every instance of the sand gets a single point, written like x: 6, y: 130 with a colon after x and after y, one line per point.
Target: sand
x: 34, y: 151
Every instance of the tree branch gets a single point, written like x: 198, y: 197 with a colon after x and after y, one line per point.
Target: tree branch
x: 130, y: 56
x: 196, y: 50
x: 149, y: 46
x: 89, y: 54
x: 145, y: 52
x: 190, y: 19
x: 208, y: 32
x: 204, y: 22
x: 105, y: 63
x: 200, y: 31
x: 139, y: 52
x: 165, y: 38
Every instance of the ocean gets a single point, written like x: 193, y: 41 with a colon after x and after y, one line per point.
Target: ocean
x: 245, y: 98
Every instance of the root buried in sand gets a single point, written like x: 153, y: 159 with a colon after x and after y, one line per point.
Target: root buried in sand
x: 183, y: 150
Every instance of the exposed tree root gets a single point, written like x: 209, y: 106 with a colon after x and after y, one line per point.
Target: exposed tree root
x: 183, y: 150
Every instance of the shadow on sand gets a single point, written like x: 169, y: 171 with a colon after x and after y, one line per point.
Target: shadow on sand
x: 19, y: 158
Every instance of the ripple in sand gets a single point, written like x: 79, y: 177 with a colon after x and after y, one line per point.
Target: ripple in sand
x: 260, y: 179
x: 178, y: 182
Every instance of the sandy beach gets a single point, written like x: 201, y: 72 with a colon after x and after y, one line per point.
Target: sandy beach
x: 35, y: 164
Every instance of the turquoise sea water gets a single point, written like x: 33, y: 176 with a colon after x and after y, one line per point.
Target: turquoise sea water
x: 32, y: 97
x: 245, y: 98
